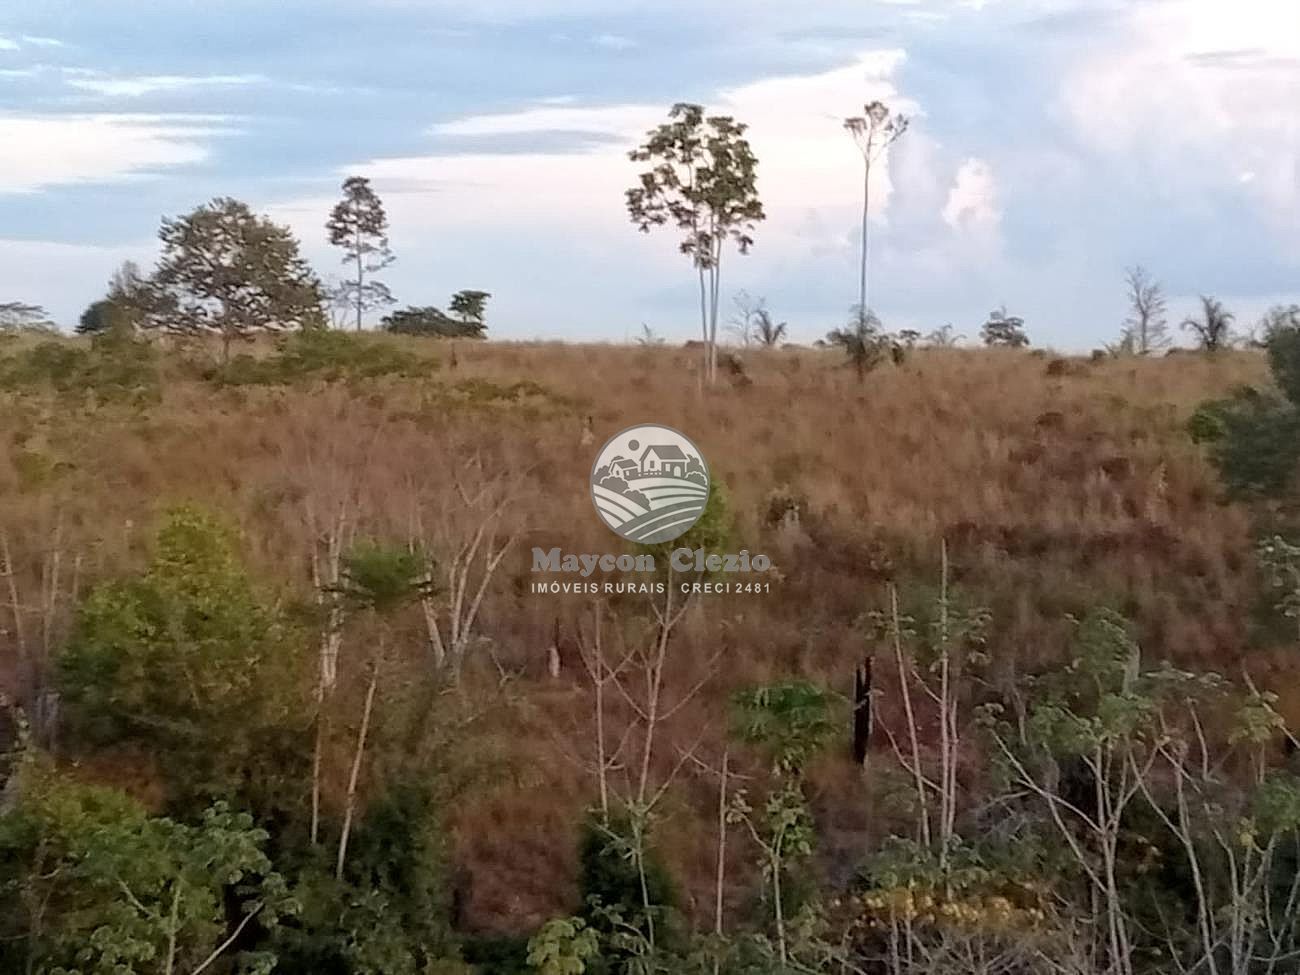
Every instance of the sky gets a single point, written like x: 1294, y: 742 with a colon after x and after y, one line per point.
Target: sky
x: 1053, y: 143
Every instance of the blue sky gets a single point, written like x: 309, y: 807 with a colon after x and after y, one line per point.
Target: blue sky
x: 1054, y: 142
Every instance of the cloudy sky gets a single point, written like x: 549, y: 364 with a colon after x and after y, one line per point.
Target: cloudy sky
x: 1054, y: 142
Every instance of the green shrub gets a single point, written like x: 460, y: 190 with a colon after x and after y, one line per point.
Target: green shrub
x: 113, y: 367
x: 614, y: 902
x: 429, y: 322
x: 184, y: 655
x: 390, y: 915
x: 1284, y: 358
x: 92, y: 883
x: 1254, y: 435
x: 321, y: 355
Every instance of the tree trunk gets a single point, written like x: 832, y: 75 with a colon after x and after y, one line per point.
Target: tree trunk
x: 722, y: 845
x: 360, y: 276
x: 866, y: 210
x: 350, y: 805
x: 704, y: 320
x: 777, y: 906
x: 317, y: 749
x: 715, y: 283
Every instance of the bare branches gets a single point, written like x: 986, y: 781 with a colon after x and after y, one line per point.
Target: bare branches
x: 468, y: 531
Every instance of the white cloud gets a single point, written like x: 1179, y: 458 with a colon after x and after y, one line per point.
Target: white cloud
x: 32, y: 41
x: 8, y: 45
x: 615, y: 120
x: 570, y: 205
x: 134, y: 87
x: 1199, y: 91
x: 615, y: 42
x: 807, y: 162
x: 39, y: 151
x: 973, y: 199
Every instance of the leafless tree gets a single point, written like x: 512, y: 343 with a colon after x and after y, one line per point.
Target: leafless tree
x: 1214, y: 328
x: 462, y: 530
x: 744, y: 321
x: 329, y: 541
x: 1146, y: 329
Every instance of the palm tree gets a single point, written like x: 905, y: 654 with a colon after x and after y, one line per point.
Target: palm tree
x: 768, y: 333
x: 1214, y: 330
x: 861, y: 341
x: 944, y: 337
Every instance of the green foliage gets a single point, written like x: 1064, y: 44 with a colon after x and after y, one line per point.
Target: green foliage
x: 563, y: 946
x: 1282, y: 341
x: 426, y: 321
x: 626, y: 891
x: 711, y: 532
x: 1095, y: 701
x: 36, y: 470
x: 99, y: 316
x: 358, y: 226
x: 383, y: 577
x: 390, y: 915
x: 1254, y: 441
x: 496, y: 955
x: 228, y: 272
x: 183, y: 655
x: 99, y: 887
x: 123, y: 309
x: 1254, y: 435
x: 321, y: 355
x: 1280, y: 561
x: 114, y: 368
x: 1004, y: 330
x: 791, y: 722
x: 470, y: 307
x: 862, y: 341
x: 703, y: 180
x: 17, y: 316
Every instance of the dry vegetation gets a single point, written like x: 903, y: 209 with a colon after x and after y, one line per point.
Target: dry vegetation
x: 1057, y: 487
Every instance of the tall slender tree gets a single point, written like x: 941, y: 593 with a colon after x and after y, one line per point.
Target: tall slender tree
x: 359, y: 225
x: 874, y: 132
x: 703, y: 180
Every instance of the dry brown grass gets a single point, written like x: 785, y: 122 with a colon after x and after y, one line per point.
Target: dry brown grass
x: 1057, y: 490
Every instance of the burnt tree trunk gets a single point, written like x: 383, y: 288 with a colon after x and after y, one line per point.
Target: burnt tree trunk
x: 862, y: 711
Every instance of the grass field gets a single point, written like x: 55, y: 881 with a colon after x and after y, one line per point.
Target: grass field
x: 1057, y: 484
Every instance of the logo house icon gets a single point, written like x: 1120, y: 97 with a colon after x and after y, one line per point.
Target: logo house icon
x: 650, y: 484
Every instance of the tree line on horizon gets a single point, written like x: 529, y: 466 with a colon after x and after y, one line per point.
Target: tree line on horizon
x: 229, y: 272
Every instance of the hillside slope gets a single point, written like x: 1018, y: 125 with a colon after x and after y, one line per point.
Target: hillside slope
x: 1057, y: 485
